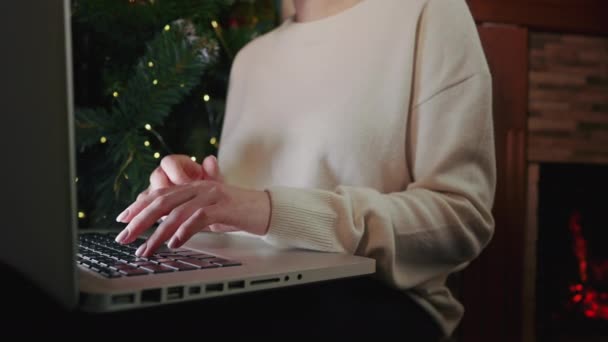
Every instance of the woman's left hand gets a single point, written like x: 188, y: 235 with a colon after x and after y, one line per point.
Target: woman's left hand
x: 191, y: 208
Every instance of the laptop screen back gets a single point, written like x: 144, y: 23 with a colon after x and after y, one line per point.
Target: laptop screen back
x: 36, y: 136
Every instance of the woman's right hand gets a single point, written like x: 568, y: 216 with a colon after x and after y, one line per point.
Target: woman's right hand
x: 178, y: 169
x: 179, y: 174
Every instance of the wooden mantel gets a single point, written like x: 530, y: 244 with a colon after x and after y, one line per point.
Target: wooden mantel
x: 572, y: 16
x: 492, y: 284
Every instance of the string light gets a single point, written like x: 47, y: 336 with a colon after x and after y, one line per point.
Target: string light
x: 81, y: 215
x: 148, y: 127
x: 126, y: 176
x: 213, y: 141
x: 76, y: 180
x: 156, y: 155
x: 206, y: 97
x: 155, y: 82
x: 220, y: 36
x: 167, y: 27
x: 193, y: 158
x: 115, y: 94
x: 150, y: 64
x: 147, y: 143
x: 103, y: 140
x: 182, y: 85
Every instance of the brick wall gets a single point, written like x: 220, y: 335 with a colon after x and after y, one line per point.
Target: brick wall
x: 568, y: 100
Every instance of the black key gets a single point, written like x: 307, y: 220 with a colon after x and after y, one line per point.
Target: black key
x: 125, y: 249
x: 181, y: 250
x: 168, y: 255
x: 140, y: 263
x: 137, y: 242
x: 103, y: 250
x: 115, y: 255
x: 186, y: 252
x: 111, y: 236
x: 102, y: 263
x: 121, y: 267
x: 157, y: 268
x: 129, y: 247
x: 113, y: 267
x: 199, y: 255
x: 94, y: 261
x: 127, y: 259
x: 179, y: 257
x: 155, y: 258
x: 86, y: 263
x: 161, y: 260
x: 103, y: 269
x: 179, y: 265
x: 199, y: 263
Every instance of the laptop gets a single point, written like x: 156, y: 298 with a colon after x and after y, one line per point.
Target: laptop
x: 87, y: 269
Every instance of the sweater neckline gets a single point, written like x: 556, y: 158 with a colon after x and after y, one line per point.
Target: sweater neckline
x: 325, y: 23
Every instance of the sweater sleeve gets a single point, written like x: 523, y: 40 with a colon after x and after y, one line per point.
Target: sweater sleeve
x: 443, y: 219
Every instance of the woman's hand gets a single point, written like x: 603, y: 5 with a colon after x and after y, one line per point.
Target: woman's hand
x: 180, y: 169
x: 177, y: 169
x: 193, y: 207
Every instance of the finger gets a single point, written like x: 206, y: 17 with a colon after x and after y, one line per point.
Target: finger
x: 180, y: 169
x: 147, y: 212
x: 143, y: 199
x: 124, y: 216
x: 212, y: 169
x: 194, y: 224
x: 159, y: 179
x: 167, y: 229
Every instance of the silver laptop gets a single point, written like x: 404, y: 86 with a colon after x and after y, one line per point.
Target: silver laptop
x: 87, y: 269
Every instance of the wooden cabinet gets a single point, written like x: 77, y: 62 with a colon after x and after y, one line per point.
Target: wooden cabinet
x: 572, y: 16
x: 491, y: 285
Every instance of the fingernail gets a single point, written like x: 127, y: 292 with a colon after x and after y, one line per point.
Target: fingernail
x: 122, y: 216
x: 141, y: 250
x: 174, y: 242
x: 122, y: 236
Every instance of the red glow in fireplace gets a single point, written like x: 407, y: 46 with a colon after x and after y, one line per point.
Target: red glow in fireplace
x: 586, y: 297
x: 572, y: 253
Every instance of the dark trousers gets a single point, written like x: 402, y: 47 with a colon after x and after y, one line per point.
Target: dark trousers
x: 358, y: 307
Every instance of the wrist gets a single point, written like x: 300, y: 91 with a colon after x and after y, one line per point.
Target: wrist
x: 263, y: 210
x: 258, y: 212
x: 269, y: 212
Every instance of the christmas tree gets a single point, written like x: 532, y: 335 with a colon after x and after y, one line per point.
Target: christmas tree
x: 150, y: 79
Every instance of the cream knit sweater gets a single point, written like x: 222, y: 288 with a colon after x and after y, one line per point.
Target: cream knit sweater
x: 372, y: 131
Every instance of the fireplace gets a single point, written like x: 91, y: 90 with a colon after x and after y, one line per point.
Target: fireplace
x: 572, y: 253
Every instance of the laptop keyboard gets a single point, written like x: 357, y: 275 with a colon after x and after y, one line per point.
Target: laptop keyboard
x: 101, y: 254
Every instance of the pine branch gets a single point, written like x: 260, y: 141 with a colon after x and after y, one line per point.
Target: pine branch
x: 151, y: 81
x: 171, y: 67
x: 139, y: 17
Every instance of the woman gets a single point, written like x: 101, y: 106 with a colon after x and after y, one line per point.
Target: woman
x: 358, y: 127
